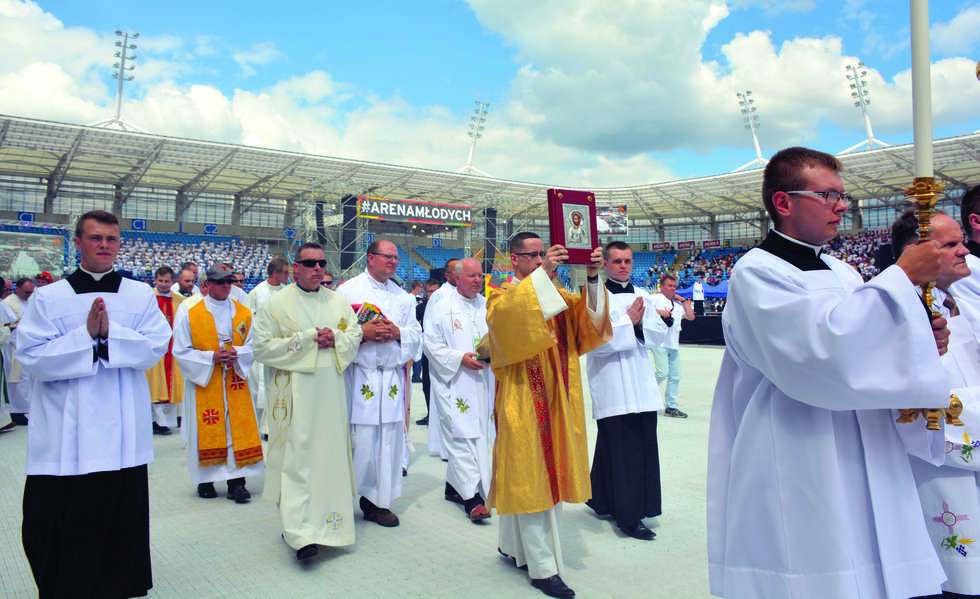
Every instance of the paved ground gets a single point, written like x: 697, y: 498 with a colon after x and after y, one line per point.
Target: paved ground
x: 217, y: 549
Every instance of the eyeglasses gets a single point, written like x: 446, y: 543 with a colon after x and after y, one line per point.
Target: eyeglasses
x: 310, y: 263
x: 531, y: 255
x: 830, y: 198
x: 220, y: 282
x: 387, y: 256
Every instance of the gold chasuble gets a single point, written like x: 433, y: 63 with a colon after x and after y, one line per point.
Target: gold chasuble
x: 212, y: 443
x: 540, y: 456
x: 166, y: 383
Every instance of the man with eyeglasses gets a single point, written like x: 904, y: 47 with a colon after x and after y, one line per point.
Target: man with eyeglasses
x: 540, y: 457
x: 277, y: 271
x: 213, y: 346
x: 377, y: 382
x: 810, y: 491
x: 306, y: 336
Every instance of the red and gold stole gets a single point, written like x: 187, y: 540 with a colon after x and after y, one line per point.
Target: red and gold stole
x: 166, y: 305
x: 211, y: 438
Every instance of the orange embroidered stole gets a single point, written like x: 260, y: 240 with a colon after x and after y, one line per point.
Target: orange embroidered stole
x: 211, y: 436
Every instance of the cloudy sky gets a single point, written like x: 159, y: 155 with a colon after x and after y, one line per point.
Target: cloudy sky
x: 582, y: 92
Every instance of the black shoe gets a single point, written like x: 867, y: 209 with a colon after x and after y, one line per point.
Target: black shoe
x: 423, y: 421
x: 206, y: 491
x: 674, y: 413
x: 639, y: 531
x: 160, y: 430
x: 513, y: 560
x: 178, y: 421
x: 404, y: 472
x: 19, y: 419
x: 237, y: 491
x: 265, y: 436
x: 306, y: 552
x: 8, y: 427
x: 553, y: 586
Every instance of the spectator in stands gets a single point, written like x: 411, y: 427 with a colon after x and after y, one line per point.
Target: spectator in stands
x: 43, y: 279
x: 672, y: 309
x: 239, y: 280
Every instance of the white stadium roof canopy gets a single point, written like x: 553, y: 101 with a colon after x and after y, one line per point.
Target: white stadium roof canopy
x: 60, y: 152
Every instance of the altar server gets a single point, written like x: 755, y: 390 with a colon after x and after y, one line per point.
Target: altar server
x: 87, y: 341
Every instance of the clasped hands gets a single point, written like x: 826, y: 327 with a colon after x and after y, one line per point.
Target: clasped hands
x: 97, y: 323
x: 380, y: 330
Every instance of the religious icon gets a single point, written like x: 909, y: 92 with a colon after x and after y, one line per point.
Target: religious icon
x: 572, y: 220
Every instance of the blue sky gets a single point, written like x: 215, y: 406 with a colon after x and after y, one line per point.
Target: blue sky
x: 582, y: 92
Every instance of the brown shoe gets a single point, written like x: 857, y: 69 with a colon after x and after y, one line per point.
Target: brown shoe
x: 379, y: 515
x: 382, y: 516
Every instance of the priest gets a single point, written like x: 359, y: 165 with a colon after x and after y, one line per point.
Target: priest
x: 88, y: 341
x: 625, y: 399
x: 454, y: 330
x: 810, y: 491
x: 950, y: 493
x: 213, y: 346
x: 306, y: 336
x: 278, y: 274
x: 438, y: 393
x: 19, y: 382
x: 166, y: 384
x: 540, y: 459
x: 377, y: 382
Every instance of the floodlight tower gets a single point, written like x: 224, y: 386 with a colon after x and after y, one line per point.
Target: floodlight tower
x: 857, y: 76
x: 475, y: 132
x: 750, y: 118
x: 122, y: 74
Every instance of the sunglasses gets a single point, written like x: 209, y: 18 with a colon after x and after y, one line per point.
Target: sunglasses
x: 310, y: 263
x: 220, y: 282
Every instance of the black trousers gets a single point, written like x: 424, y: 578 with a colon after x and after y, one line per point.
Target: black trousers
x: 426, y: 382
x: 626, y: 468
x: 88, y: 536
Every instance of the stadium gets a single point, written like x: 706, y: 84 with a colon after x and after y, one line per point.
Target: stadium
x: 182, y: 199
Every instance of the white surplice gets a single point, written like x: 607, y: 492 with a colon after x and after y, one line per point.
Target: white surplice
x: 436, y: 388
x: 19, y: 383
x: 7, y: 320
x: 810, y: 492
x: 310, y: 472
x: 453, y: 328
x: 376, y: 390
x: 197, y: 367
x: 621, y: 377
x: 950, y: 493
x: 90, y: 415
x: 257, y: 298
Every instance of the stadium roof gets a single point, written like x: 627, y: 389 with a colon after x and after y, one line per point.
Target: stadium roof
x: 58, y: 152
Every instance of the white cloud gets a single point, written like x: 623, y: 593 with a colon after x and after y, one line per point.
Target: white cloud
x: 259, y: 54
x: 960, y: 36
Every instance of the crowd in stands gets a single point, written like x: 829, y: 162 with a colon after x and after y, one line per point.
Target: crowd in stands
x: 141, y: 257
x: 859, y: 249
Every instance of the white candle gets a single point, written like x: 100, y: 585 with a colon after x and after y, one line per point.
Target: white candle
x: 921, y: 88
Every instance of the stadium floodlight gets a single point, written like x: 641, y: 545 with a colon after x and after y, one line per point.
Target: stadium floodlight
x: 123, y: 72
x: 475, y: 131
x: 857, y: 78
x: 750, y: 118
